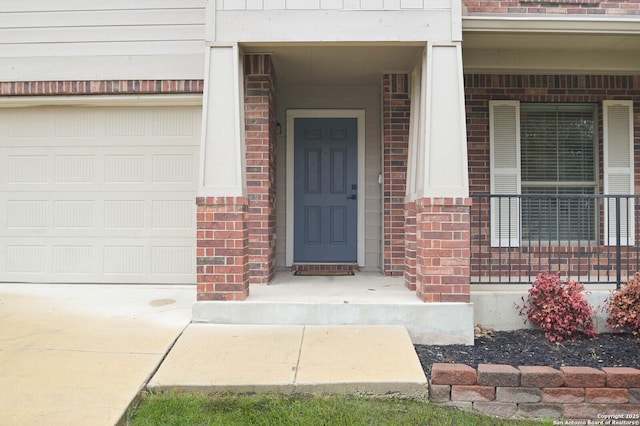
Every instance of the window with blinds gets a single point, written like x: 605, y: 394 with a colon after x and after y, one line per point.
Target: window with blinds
x: 558, y: 157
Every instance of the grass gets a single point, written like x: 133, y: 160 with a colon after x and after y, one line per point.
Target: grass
x: 176, y: 408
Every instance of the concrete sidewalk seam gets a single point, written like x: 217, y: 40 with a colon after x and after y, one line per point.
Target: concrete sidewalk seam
x: 122, y: 421
x: 166, y: 353
x: 295, y: 376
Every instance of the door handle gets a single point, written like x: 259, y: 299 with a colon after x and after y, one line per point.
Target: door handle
x: 352, y: 197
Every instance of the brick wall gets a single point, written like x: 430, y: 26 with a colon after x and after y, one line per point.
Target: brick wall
x: 537, y: 391
x: 479, y: 90
x: 222, y: 248
x: 260, y: 139
x: 102, y: 87
x: 553, y: 7
x: 396, y: 107
x: 442, y: 249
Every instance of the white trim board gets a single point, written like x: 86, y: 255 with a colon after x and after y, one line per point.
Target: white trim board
x: 358, y: 114
x: 551, y: 24
x: 91, y: 100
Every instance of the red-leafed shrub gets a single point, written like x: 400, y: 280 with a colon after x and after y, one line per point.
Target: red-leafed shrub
x: 558, y: 307
x: 624, y: 307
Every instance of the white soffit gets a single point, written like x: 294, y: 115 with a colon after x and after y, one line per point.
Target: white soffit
x: 566, y: 44
x: 551, y: 24
x: 536, y: 33
x: 337, y: 64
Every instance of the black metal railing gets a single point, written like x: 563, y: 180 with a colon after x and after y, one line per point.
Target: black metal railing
x: 589, y: 238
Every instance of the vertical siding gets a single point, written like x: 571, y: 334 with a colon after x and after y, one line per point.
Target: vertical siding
x: 101, y: 39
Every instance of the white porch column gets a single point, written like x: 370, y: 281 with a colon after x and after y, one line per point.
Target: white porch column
x: 222, y: 157
x: 222, y: 242
x: 442, y: 169
x: 442, y: 203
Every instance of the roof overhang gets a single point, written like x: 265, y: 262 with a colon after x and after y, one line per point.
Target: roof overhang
x: 550, y: 24
x: 551, y: 44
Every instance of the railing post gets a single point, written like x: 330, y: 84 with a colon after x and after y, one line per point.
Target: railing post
x: 618, y: 246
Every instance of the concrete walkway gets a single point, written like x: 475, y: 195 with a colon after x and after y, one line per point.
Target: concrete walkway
x: 79, y: 354
x: 362, y: 360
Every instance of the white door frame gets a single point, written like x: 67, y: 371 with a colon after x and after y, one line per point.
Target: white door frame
x: 359, y: 115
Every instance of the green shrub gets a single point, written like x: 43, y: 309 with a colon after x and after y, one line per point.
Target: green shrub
x: 558, y: 307
x: 624, y: 307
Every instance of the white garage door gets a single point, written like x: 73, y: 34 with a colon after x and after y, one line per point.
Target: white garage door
x: 98, y: 194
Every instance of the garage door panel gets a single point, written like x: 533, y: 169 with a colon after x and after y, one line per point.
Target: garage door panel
x: 110, y: 199
x: 98, y: 169
x: 161, y: 260
x: 26, y: 168
x: 64, y: 126
x: 99, y: 215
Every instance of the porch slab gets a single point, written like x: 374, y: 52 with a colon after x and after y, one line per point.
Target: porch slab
x: 365, y: 298
x: 364, y: 360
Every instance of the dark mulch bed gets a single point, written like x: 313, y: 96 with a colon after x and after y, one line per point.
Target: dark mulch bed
x: 531, y: 347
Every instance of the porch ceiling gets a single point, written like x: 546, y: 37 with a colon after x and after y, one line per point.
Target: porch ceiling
x: 338, y: 65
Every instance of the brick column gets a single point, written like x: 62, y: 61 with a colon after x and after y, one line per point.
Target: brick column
x: 443, y: 249
x: 260, y: 139
x: 410, y: 245
x: 396, y: 107
x: 222, y: 256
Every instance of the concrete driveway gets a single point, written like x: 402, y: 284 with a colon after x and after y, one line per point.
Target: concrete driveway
x: 78, y: 354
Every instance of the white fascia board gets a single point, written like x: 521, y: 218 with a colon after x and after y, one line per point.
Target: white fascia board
x: 101, y: 100
x: 551, y: 24
x: 299, y: 26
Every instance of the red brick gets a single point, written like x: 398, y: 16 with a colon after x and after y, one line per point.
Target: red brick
x: 472, y: 393
x: 622, y: 377
x: 223, y: 260
x: 540, y: 377
x: 583, y: 377
x: 453, y: 374
x: 102, y: 87
x: 479, y: 89
x: 260, y: 140
x: 606, y: 395
x: 498, y: 375
x: 396, y: 105
x: 571, y: 7
x: 455, y: 298
x: 563, y: 395
x: 437, y: 279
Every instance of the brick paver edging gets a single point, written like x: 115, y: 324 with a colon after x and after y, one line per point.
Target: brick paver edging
x: 610, y: 393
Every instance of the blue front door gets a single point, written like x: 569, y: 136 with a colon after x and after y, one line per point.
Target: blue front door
x: 325, y: 190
